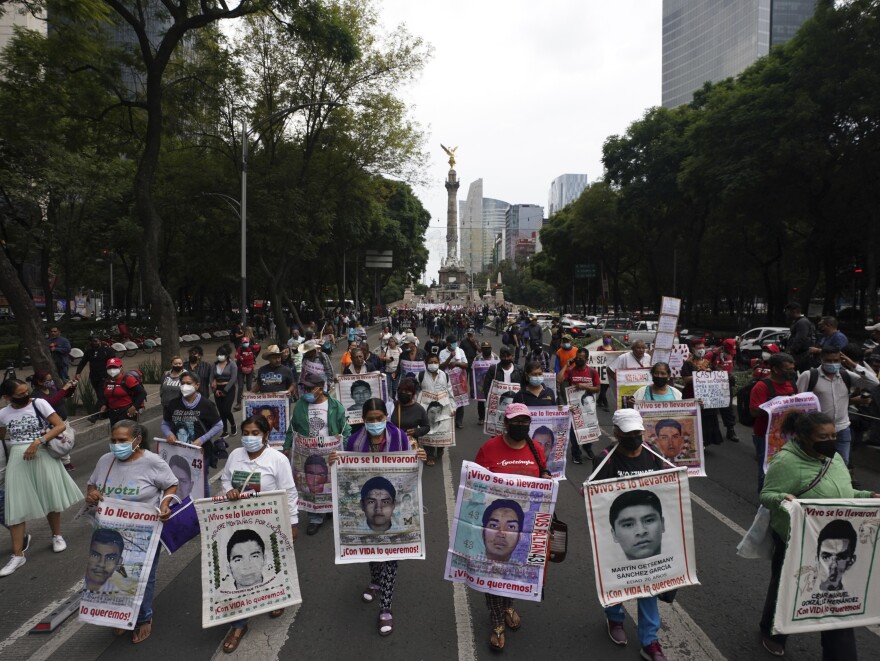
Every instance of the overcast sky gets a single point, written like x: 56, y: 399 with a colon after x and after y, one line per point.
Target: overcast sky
x: 526, y: 90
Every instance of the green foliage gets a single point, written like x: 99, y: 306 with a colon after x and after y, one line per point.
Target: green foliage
x: 152, y: 371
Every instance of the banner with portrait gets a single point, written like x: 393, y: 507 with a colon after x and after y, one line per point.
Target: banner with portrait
x: 438, y: 407
x: 311, y: 473
x: 712, y: 388
x: 480, y: 368
x: 778, y: 408
x: 500, y: 397
x: 248, y: 565
x: 584, y: 419
x: 549, y: 429
x: 458, y: 379
x: 377, y: 507
x: 675, y: 429
x: 629, y: 382
x: 600, y: 360
x: 501, y: 532
x: 642, y: 535
x: 121, y: 553
x: 187, y: 463
x: 411, y: 368
x: 827, y: 576
x: 550, y: 383
x: 275, y: 407
x: 352, y: 390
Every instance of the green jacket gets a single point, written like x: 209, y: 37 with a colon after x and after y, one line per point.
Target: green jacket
x: 791, y: 470
x: 337, y: 422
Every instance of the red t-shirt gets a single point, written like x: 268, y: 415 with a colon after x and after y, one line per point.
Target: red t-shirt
x: 498, y: 457
x: 116, y: 395
x: 722, y: 361
x: 760, y: 395
x: 586, y: 375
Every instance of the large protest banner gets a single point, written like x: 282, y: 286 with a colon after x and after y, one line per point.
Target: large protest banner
x: 778, y: 408
x: 675, y: 429
x: 501, y: 532
x: 828, y: 580
x: 642, y: 534
x: 600, y: 360
x: 352, y: 390
x: 311, y: 472
x: 584, y: 419
x: 550, y: 384
x: 628, y: 383
x: 549, y: 429
x: 377, y: 507
x: 275, y: 407
x: 713, y: 389
x: 458, y: 378
x: 411, y: 368
x: 480, y: 368
x: 500, y: 396
x: 441, y: 431
x: 248, y: 566
x: 121, y: 553
x: 188, y: 465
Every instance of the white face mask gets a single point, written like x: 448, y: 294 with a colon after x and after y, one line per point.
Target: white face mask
x: 187, y: 389
x: 765, y: 356
x: 221, y: 357
x: 113, y: 372
x: 433, y: 367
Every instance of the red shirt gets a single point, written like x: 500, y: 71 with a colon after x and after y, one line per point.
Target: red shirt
x: 722, y: 361
x: 760, y: 395
x: 116, y: 395
x: 498, y: 457
x: 586, y: 375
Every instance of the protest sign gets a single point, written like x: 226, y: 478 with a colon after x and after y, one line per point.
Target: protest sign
x: 311, y: 474
x: 500, y: 396
x: 600, y: 360
x: 352, y: 390
x: 713, y: 389
x: 275, y: 407
x: 481, y: 367
x: 248, y: 566
x: 411, y: 368
x: 670, y: 306
x: 549, y: 429
x: 187, y: 463
x: 550, y: 383
x: 500, y: 532
x: 778, y: 408
x: 458, y: 378
x: 121, y: 554
x: 675, y: 429
x: 584, y: 419
x: 438, y: 406
x: 641, y: 533
x: 676, y: 359
x: 628, y: 383
x: 827, y: 572
x: 377, y: 507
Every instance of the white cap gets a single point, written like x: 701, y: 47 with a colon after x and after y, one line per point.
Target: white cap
x: 627, y: 420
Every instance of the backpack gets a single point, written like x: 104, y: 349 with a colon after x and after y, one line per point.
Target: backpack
x: 814, y: 379
x: 507, y: 338
x: 138, y: 376
x: 744, y: 394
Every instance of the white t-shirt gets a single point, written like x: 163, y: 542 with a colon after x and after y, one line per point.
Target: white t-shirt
x: 505, y: 374
x: 394, y: 355
x: 459, y: 356
x: 627, y: 361
x: 269, y: 472
x: 22, y: 425
x: 318, y: 418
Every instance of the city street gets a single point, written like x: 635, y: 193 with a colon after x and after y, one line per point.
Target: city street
x: 433, y: 618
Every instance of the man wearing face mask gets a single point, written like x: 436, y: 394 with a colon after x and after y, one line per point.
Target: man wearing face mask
x: 701, y: 361
x: 450, y: 357
x: 96, y: 357
x: 246, y: 361
x: 781, y: 382
x: 197, y: 366
x: 635, y: 358
x: 504, y: 370
x: 579, y: 374
x: 565, y: 353
x: 760, y: 366
x: 486, y: 353
x: 124, y: 394
x: 538, y: 355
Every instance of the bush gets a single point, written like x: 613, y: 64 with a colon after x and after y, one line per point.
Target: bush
x: 152, y: 371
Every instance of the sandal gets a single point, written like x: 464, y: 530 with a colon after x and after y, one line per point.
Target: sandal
x: 233, y: 638
x: 512, y: 619
x: 278, y: 612
x: 141, y: 632
x: 496, y: 640
x: 386, y: 623
x: 370, y: 593
x: 119, y: 633
x: 430, y: 461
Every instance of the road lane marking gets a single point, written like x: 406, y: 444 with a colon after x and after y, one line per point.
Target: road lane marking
x: 735, y: 527
x: 682, y: 637
x: 32, y: 622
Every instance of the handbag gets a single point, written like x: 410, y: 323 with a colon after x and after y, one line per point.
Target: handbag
x: 61, y: 445
x: 558, y: 528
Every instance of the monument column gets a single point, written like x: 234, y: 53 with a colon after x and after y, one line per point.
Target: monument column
x: 452, y: 185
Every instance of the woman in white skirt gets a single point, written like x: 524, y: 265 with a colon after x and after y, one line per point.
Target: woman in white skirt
x: 36, y: 483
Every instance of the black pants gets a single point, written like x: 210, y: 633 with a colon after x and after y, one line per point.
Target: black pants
x: 224, y: 407
x: 603, y: 395
x: 481, y: 410
x: 837, y: 644
x: 98, y: 387
x: 115, y: 415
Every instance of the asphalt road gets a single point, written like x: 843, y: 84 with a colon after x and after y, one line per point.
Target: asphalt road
x: 433, y: 619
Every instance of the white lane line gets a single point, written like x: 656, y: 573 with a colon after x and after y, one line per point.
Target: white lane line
x: 32, y: 622
x: 682, y: 638
x: 464, y: 625
x: 735, y: 527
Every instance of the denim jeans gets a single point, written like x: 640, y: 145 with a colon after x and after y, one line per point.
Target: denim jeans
x: 844, y: 444
x: 146, y: 612
x: 649, y: 618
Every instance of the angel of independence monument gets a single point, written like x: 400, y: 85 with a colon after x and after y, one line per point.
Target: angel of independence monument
x: 453, y: 281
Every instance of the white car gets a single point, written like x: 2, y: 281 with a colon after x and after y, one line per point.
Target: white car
x: 749, y: 344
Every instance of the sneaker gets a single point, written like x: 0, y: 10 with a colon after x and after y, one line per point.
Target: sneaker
x: 731, y: 435
x: 312, y: 528
x: 576, y: 460
x: 233, y: 431
x: 653, y: 652
x: 27, y: 542
x: 225, y: 434
x: 775, y: 648
x: 58, y: 543
x: 14, y: 563
x: 616, y: 632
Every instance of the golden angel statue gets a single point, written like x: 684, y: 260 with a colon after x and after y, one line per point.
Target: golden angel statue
x: 451, y: 153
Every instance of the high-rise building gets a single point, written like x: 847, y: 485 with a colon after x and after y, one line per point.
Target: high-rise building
x: 14, y: 14
x: 564, y: 190
x: 522, y: 222
x: 482, y: 219
x: 710, y: 40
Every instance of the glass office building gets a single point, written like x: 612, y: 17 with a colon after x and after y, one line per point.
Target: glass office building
x: 482, y: 219
x: 564, y: 190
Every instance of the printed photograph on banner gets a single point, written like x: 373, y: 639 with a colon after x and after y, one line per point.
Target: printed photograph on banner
x: 458, y: 378
x: 674, y: 429
x: 549, y: 430
x: 377, y: 507
x: 480, y: 368
x: 778, y: 408
x: 248, y: 566
x: 438, y: 407
x: 550, y: 382
x: 275, y: 407
x: 641, y: 533
x: 187, y: 463
x: 352, y: 390
x: 831, y: 558
x: 713, y: 389
x: 311, y: 473
x: 584, y: 419
x: 500, y: 397
x: 411, y: 368
x: 121, y: 551
x: 600, y: 360
x: 500, y: 532
x: 628, y: 383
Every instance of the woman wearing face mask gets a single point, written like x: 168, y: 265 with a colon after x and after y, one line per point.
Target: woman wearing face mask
x: 806, y: 467
x: 255, y: 463
x: 486, y: 353
x: 379, y: 435
x: 660, y: 389
x: 36, y: 483
x: 180, y: 424
x: 435, y: 380
x: 223, y: 384
x: 246, y: 360
x: 699, y: 362
x: 147, y: 479
x: 169, y: 390
x: 124, y: 394
x: 408, y: 414
x: 607, y: 345
x: 45, y: 388
x: 535, y: 393
x: 580, y: 375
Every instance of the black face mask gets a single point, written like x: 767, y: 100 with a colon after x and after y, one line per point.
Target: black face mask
x: 825, y: 448
x: 630, y: 443
x: 20, y: 401
x: 660, y: 381
x: 518, y: 432
x: 487, y: 353
x: 506, y: 362
x: 579, y: 362
x: 404, y: 397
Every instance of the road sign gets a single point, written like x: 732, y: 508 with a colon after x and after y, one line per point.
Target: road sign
x: 584, y: 270
x: 379, y: 259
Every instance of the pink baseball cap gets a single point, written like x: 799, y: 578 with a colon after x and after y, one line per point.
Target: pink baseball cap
x: 516, y: 410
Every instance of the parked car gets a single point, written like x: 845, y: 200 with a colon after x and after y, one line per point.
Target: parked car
x: 689, y: 334
x: 748, y: 345
x: 574, y: 327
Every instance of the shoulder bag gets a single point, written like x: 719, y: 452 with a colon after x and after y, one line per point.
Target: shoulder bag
x: 62, y: 445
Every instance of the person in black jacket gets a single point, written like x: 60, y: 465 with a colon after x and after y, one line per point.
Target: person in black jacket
x: 505, y: 370
x: 197, y: 366
x: 96, y: 356
x: 802, y: 336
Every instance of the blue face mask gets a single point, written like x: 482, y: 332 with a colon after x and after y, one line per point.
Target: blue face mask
x: 252, y: 443
x: 536, y: 380
x: 122, y: 451
x: 831, y: 368
x: 453, y: 346
x: 375, y: 428
x: 309, y: 397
